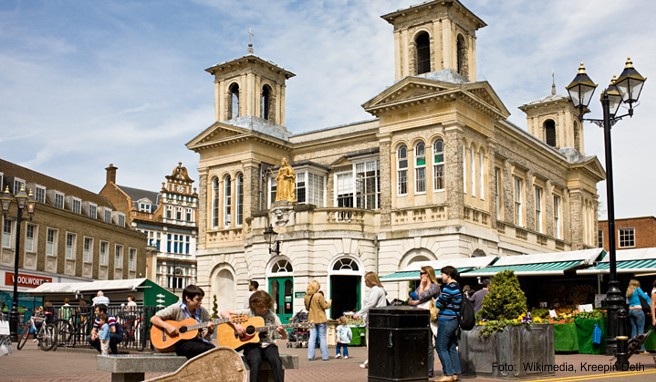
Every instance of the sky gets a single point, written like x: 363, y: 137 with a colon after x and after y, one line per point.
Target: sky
x: 87, y: 83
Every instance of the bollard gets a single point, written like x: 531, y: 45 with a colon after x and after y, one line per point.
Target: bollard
x: 622, y: 355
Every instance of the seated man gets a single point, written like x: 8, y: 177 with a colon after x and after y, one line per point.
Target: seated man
x: 190, y: 306
x: 115, y: 330
x: 261, y: 305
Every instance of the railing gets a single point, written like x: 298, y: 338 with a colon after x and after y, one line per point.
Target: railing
x: 345, y: 215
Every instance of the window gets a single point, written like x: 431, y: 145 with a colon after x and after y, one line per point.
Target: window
x: 76, y: 205
x: 498, y: 191
x: 71, y: 238
x: 132, y: 259
x: 233, y: 110
x: 423, y: 53
x: 438, y: 165
x: 344, y: 185
x: 461, y: 51
x: 315, y: 189
x: 59, y: 200
x: 420, y: 167
x: 93, y: 211
x: 265, y: 102
x: 51, y: 242
x: 120, y: 219
x: 519, y: 213
x: 239, y: 208
x: 300, y: 187
x: 19, y: 184
x: 272, y: 191
x: 627, y: 237
x: 108, y: 215
x: 538, y: 209
x: 464, y: 169
x: 40, y: 194
x: 178, y: 213
x: 177, y: 243
x: 367, y: 184
x: 190, y: 215
x: 472, y: 161
x: 550, y: 132
x: 145, y: 207
x: 31, y: 240
x: 227, y: 200
x: 104, y: 252
x: 481, y: 174
x: 215, y: 202
x: 7, y: 231
x: 118, y: 257
x: 282, y: 266
x: 557, y: 213
x: 87, y: 251
x: 402, y: 170
x: 600, y: 238
x: 345, y: 264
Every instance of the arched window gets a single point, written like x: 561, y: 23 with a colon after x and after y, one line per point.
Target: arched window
x: 215, y: 202
x: 233, y: 111
x: 464, y: 168
x: 239, y: 208
x: 282, y: 266
x: 481, y: 174
x: 438, y: 165
x: 550, y: 132
x: 422, y: 42
x: 402, y: 170
x: 472, y: 161
x: 265, y: 102
x: 461, y: 48
x: 346, y: 264
x: 420, y: 167
x: 227, y: 200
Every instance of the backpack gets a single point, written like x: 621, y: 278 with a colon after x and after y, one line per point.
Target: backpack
x: 467, y: 314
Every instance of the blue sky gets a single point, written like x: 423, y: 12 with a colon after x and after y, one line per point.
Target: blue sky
x: 88, y: 83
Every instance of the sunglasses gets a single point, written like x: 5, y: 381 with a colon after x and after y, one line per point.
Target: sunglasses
x: 422, y: 273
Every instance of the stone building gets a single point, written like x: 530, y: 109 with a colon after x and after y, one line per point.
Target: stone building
x: 439, y: 172
x: 74, y: 234
x: 168, y: 218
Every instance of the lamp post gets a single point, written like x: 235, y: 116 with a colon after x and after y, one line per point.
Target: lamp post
x: 23, y: 202
x: 269, y: 234
x: 625, y: 89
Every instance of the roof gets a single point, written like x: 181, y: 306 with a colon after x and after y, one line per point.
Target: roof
x: 543, y: 264
x: 638, y: 260
x: 463, y: 264
x: 250, y: 58
x: 93, y: 286
x: 137, y: 194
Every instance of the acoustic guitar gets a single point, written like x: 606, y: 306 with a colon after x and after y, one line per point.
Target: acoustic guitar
x: 187, y: 329
x: 227, y: 336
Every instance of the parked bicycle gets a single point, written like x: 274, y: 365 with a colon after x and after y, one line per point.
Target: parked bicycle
x: 74, y: 330
x: 45, y: 334
x: 133, y: 331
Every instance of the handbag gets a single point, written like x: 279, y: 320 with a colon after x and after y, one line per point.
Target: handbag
x: 433, y: 310
x: 645, y: 305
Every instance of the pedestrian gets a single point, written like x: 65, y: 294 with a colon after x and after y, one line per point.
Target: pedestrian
x: 261, y: 305
x: 636, y: 314
x: 376, y: 298
x: 467, y: 291
x: 316, y: 305
x: 653, y: 303
x: 446, y: 342
x: 103, y: 334
x: 344, y: 337
x: 65, y: 312
x: 478, y: 297
x: 189, y: 307
x: 252, y: 287
x: 426, y: 292
x: 100, y: 299
x: 115, y: 330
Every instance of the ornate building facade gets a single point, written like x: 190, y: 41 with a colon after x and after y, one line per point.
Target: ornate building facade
x: 439, y: 172
x: 168, y: 218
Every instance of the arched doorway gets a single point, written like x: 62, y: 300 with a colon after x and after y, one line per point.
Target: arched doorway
x: 345, y: 286
x: 225, y: 290
x: 281, y: 289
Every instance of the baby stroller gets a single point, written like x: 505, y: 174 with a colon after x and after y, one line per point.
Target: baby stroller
x: 299, y: 336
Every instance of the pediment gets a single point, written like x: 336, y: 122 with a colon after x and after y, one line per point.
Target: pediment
x: 217, y: 133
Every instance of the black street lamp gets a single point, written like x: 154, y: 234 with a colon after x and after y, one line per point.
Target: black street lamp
x: 625, y: 89
x: 23, y: 202
x: 269, y: 235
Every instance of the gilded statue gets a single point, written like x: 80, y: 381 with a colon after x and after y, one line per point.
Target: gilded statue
x: 286, y: 188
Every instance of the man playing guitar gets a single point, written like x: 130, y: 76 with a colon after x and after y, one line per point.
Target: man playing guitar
x: 189, y: 307
x: 261, y: 305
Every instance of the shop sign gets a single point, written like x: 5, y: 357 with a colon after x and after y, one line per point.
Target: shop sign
x: 27, y: 281
x: 299, y: 294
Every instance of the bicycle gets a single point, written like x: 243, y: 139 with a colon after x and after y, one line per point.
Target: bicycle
x: 133, y: 331
x: 46, y: 334
x: 74, y: 329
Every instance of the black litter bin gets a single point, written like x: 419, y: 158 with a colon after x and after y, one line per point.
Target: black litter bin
x: 398, y: 344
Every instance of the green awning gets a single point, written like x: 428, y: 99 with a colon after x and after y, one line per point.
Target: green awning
x: 630, y: 266
x: 536, y: 269
x: 412, y: 275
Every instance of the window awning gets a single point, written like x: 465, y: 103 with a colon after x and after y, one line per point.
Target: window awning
x: 463, y: 264
x: 543, y: 264
x: 641, y: 260
x: 93, y: 286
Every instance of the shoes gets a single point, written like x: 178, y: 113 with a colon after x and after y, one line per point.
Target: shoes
x: 35, y: 340
x: 364, y: 365
x: 446, y: 378
x: 345, y: 357
x: 645, y: 352
x: 339, y: 356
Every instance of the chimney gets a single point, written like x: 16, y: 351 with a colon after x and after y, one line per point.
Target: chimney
x: 111, y: 174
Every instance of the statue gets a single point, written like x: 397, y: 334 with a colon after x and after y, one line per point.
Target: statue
x: 286, y: 188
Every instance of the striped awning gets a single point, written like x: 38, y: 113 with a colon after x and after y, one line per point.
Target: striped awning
x: 462, y: 264
x: 537, y: 269
x: 412, y: 275
x: 642, y: 260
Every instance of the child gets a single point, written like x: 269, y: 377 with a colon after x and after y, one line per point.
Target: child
x: 344, y: 337
x: 103, y: 334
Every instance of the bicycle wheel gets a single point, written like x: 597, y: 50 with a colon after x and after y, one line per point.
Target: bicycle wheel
x: 64, y: 331
x: 22, y: 339
x: 139, y: 339
x: 48, y: 337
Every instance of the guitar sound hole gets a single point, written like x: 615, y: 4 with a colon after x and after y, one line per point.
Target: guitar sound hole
x: 182, y: 329
x: 250, y: 330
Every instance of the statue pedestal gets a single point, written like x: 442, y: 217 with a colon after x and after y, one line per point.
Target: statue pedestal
x: 281, y: 214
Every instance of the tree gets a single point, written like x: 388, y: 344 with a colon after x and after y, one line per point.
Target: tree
x: 506, y: 298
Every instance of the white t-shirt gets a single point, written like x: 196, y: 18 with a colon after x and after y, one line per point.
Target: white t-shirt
x: 100, y: 300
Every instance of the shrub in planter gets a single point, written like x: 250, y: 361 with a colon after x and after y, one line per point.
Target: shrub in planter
x: 506, y: 299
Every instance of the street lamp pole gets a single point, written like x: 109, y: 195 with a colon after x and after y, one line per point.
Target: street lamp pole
x: 625, y: 89
x: 23, y: 201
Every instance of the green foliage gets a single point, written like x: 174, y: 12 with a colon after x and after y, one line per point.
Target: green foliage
x: 540, y: 312
x: 595, y: 314
x: 505, y: 299
x: 215, y: 308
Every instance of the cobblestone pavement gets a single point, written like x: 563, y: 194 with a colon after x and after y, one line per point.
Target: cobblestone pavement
x: 72, y: 365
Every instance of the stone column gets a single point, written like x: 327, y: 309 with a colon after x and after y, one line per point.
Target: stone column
x: 386, y: 186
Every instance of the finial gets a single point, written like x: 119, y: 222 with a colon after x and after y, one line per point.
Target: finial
x: 581, y: 68
x: 629, y: 63
x: 250, y: 40
x: 553, y: 82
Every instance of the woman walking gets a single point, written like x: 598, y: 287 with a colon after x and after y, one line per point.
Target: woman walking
x: 446, y: 342
x: 425, y: 293
x: 374, y: 299
x: 316, y: 306
x: 636, y: 314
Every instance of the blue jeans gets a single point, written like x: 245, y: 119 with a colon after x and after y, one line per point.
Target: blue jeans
x: 445, y: 344
x: 340, y: 346
x: 323, y: 343
x: 637, y: 318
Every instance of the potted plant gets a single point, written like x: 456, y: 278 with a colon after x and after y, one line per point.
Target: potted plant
x: 507, y: 342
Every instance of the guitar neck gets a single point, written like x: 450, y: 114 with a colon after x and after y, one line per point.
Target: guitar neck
x: 274, y: 327
x: 205, y: 324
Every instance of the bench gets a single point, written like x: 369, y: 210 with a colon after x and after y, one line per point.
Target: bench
x: 132, y: 367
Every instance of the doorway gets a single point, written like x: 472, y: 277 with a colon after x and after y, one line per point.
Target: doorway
x: 281, y: 290
x: 345, y: 292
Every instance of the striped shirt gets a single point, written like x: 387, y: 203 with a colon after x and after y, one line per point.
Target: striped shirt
x: 449, y: 300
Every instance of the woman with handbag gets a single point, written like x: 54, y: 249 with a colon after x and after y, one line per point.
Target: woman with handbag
x: 425, y: 294
x: 636, y: 313
x: 316, y: 306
